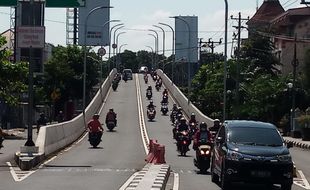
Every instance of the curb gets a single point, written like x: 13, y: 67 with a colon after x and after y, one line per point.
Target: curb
x: 152, y: 176
x: 298, y: 144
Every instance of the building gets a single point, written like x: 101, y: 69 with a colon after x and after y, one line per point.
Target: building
x: 273, y: 21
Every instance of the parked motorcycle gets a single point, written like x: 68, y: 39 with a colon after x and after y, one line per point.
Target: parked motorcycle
x: 183, y: 142
x: 111, y: 125
x: 164, y: 108
x: 203, y: 156
x: 151, y: 114
x: 95, y: 138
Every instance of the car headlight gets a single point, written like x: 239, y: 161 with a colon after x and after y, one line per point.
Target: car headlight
x: 235, y: 156
x: 284, y: 158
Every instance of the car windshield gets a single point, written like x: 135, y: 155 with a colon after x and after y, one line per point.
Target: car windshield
x: 254, y: 136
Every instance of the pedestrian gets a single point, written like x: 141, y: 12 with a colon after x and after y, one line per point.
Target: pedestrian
x: 41, y: 121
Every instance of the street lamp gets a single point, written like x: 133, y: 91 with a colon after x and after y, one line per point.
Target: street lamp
x: 225, y: 60
x: 110, y: 37
x: 155, y: 49
x: 188, y: 58
x: 84, y: 46
x: 120, y: 48
x: 173, y: 49
x: 115, y: 57
x: 164, y: 37
x: 152, y: 54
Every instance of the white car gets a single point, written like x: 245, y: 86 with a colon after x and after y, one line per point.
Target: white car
x: 143, y: 69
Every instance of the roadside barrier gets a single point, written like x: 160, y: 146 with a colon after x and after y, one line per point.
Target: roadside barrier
x: 156, y: 153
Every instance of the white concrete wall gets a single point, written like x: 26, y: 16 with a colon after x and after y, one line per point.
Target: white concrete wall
x: 182, y: 100
x: 54, y: 137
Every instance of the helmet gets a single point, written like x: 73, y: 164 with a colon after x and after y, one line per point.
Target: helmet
x: 149, y: 87
x: 216, y: 121
x: 111, y: 109
x: 203, y: 126
x: 174, y: 105
x: 193, y: 115
x: 179, y: 108
x: 179, y: 116
x: 182, y: 120
x: 96, y: 116
x: 151, y: 102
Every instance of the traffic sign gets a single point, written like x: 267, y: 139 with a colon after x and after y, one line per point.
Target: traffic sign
x: 101, y: 51
x: 114, y: 46
x: 65, y: 3
x: 8, y: 3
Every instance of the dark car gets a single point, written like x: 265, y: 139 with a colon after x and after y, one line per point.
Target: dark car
x: 251, y: 152
x: 128, y: 73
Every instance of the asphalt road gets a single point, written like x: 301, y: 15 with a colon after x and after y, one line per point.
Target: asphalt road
x: 189, y: 176
x: 119, y: 155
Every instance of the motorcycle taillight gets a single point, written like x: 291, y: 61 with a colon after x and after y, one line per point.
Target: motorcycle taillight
x: 184, y: 142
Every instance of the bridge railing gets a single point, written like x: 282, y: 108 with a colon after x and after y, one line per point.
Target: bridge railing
x: 57, y: 136
x: 182, y: 100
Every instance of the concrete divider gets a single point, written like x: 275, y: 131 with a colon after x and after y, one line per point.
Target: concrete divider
x: 182, y: 100
x: 57, y: 136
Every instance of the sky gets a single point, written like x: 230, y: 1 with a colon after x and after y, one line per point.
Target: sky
x: 140, y: 15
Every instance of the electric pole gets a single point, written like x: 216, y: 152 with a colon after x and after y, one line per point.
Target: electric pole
x: 211, y: 45
x: 239, y: 27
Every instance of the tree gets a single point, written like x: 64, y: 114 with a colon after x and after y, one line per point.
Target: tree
x: 64, y: 73
x: 12, y: 76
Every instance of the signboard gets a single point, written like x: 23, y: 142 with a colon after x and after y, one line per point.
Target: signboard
x: 30, y: 37
x: 97, y: 30
x: 65, y: 3
x: 101, y: 51
x: 8, y: 3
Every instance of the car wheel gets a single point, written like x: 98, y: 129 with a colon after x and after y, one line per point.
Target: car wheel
x: 224, y: 182
x: 214, y: 176
x: 286, y: 186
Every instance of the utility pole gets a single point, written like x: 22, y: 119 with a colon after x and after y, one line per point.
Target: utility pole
x: 211, y: 44
x: 75, y: 25
x: 295, y: 64
x: 239, y: 27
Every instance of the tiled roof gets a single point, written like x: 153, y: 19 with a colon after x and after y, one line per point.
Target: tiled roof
x: 267, y: 11
x: 303, y: 11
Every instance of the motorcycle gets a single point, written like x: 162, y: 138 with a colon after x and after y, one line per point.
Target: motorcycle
x: 149, y: 94
x: 151, y: 114
x: 193, y: 129
x: 164, y: 108
x: 1, y: 142
x: 111, y: 125
x: 157, y: 86
x: 95, y: 138
x: 146, y: 79
x: 203, y: 156
x: 173, y: 116
x: 165, y: 99
x: 114, y: 85
x: 183, y: 142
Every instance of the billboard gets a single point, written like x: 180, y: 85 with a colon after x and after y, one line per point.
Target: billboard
x: 30, y: 37
x: 182, y: 48
x: 96, y: 34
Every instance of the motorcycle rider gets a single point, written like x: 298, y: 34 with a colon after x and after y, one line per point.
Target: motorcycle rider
x: 111, y: 116
x: 193, y: 118
x: 182, y: 127
x: 179, y: 111
x: 174, y: 107
x: 151, y: 105
x: 202, y: 133
x: 164, y: 100
x: 94, y: 125
x: 216, y: 126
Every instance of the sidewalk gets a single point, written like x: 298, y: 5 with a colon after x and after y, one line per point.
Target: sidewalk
x: 297, y: 142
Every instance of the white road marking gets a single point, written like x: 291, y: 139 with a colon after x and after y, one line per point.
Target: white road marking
x: 176, y: 181
x: 125, y: 185
x: 302, y: 181
x: 17, y: 174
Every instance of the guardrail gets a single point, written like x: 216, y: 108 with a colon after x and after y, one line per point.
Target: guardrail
x: 182, y: 100
x: 52, y: 138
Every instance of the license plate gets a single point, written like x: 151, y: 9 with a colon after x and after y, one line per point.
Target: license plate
x: 262, y: 174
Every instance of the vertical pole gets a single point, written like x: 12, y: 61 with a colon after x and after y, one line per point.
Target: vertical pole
x: 238, y: 67
x: 225, y: 60
x: 295, y: 64
x: 75, y: 26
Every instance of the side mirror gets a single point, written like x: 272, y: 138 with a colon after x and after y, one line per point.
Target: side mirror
x: 289, y: 144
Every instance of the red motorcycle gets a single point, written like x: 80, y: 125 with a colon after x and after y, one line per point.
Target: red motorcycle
x: 183, y: 142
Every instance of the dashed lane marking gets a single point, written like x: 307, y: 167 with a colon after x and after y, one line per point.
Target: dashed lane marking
x: 176, y: 181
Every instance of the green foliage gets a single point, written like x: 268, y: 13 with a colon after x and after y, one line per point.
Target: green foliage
x: 12, y: 77
x: 64, y: 72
